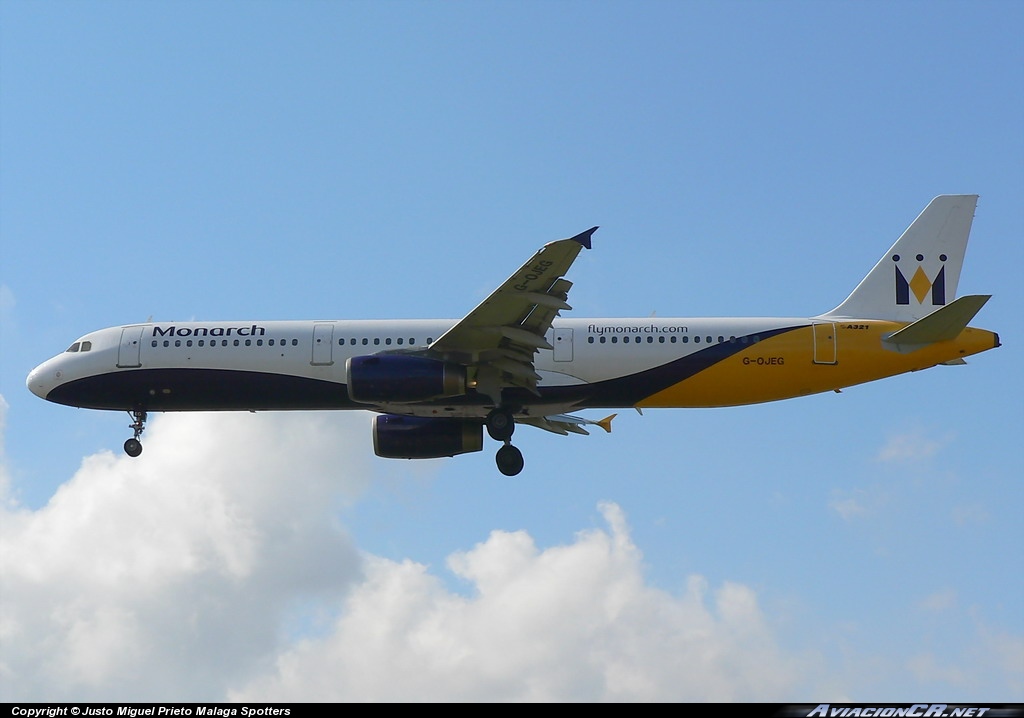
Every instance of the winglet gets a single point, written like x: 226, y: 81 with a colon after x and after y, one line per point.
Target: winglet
x: 584, y: 237
x: 606, y: 423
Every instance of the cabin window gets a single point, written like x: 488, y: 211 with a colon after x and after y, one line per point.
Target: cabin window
x: 388, y: 341
x: 188, y: 343
x: 696, y: 340
x: 248, y: 342
x: 721, y: 339
x: 177, y: 342
x: 376, y: 340
x: 167, y: 343
x: 399, y: 340
x: 154, y: 344
x: 590, y: 340
x: 295, y: 342
x: 603, y: 339
x: 202, y: 343
x: 259, y: 342
x: 650, y: 340
x: 661, y: 340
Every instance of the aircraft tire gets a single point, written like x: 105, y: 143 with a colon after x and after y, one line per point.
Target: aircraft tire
x: 500, y: 424
x: 133, y: 447
x: 509, y: 459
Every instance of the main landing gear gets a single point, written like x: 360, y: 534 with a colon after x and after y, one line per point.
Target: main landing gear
x: 509, y: 460
x: 500, y: 425
x: 133, y: 447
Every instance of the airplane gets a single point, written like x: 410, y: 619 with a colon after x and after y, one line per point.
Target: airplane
x: 437, y: 384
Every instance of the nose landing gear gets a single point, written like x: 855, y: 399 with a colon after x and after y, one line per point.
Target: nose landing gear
x: 133, y: 447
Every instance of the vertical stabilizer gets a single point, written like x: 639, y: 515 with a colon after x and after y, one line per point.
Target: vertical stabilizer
x: 919, y: 273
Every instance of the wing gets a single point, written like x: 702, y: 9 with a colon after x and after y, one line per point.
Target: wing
x: 500, y: 337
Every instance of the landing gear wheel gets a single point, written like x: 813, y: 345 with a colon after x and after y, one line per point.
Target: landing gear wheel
x: 500, y: 424
x: 509, y: 460
x: 133, y: 447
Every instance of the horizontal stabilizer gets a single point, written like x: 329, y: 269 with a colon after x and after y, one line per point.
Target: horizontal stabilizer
x: 565, y: 424
x: 606, y: 423
x: 942, y: 325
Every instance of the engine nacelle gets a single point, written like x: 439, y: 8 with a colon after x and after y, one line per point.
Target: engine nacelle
x: 416, y: 437
x: 396, y: 378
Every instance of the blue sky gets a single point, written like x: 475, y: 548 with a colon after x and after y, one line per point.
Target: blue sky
x: 309, y: 160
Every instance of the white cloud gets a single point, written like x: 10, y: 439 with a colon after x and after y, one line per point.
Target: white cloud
x: 860, y: 503
x: 925, y: 667
x: 912, y: 446
x: 940, y: 601
x: 970, y: 514
x: 993, y: 659
x: 177, y: 575
x: 573, y: 622
x: 849, y: 505
x: 202, y: 572
x: 908, y: 453
x: 168, y: 575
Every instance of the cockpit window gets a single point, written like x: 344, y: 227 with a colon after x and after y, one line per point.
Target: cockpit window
x: 74, y: 347
x: 86, y: 346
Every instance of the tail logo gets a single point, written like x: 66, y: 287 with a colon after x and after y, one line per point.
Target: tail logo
x: 920, y: 284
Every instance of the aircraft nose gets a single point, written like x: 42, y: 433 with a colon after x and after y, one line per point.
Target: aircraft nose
x: 39, y: 380
x: 32, y: 382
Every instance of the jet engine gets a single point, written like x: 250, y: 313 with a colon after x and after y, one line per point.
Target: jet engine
x: 416, y: 437
x: 396, y: 378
